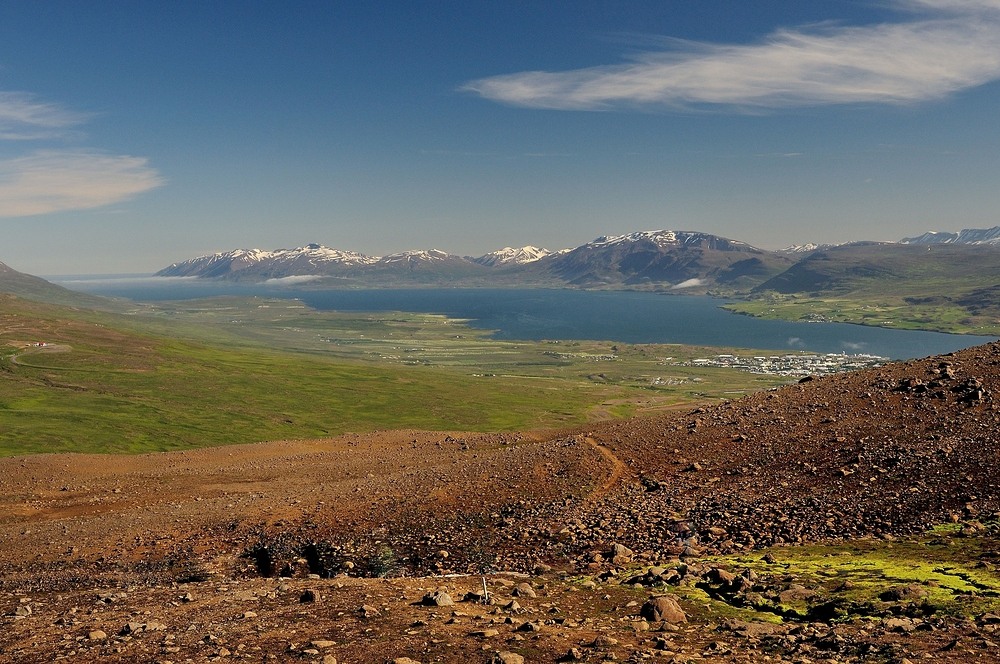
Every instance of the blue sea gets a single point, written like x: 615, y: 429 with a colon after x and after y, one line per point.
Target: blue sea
x: 533, y: 314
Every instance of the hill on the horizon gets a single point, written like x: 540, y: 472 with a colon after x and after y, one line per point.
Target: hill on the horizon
x: 35, y: 288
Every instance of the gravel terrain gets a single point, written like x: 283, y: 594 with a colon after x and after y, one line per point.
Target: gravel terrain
x: 340, y: 549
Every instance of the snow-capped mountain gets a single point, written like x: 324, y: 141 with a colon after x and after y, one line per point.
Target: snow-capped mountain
x: 666, y: 239
x: 806, y: 248
x: 663, y: 257
x: 302, y: 260
x: 417, y: 256
x: 964, y: 236
x: 512, y: 256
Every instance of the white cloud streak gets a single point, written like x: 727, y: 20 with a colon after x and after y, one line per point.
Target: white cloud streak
x: 949, y: 46
x: 60, y: 180
x: 23, y: 118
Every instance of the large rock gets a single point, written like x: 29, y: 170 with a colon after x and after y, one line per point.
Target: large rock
x: 437, y: 598
x: 620, y: 554
x: 662, y: 609
x: 523, y: 590
x: 506, y: 658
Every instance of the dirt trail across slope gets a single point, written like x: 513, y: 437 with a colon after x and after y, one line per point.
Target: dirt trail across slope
x: 618, y: 471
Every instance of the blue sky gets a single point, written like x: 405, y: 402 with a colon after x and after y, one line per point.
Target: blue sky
x: 136, y: 134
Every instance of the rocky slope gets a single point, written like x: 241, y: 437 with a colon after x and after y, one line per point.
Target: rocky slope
x: 208, y: 554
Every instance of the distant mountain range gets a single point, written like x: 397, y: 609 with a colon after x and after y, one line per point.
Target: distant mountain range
x: 966, y: 236
x: 960, y: 269
x: 666, y: 260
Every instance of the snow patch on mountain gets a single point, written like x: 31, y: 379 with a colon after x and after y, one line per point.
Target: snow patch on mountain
x: 807, y: 248
x: 416, y: 256
x: 964, y: 236
x: 512, y: 256
x: 661, y: 238
x: 314, y: 255
x: 688, y: 283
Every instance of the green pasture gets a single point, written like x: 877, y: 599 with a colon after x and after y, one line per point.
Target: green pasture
x: 234, y: 371
x: 875, y: 311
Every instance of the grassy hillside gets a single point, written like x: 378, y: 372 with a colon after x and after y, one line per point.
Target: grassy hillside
x: 37, y: 289
x: 235, y: 371
x: 949, y: 288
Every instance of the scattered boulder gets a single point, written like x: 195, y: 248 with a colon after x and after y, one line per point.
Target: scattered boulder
x: 899, y: 625
x: 620, y: 554
x: 523, y: 590
x: 437, y: 598
x: 506, y: 658
x: 903, y: 593
x: 662, y: 609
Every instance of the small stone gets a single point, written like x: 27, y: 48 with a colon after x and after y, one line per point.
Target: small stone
x: 307, y: 596
x: 97, y: 635
x: 485, y: 633
x: 132, y: 628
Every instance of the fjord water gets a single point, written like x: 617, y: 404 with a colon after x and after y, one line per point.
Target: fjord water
x: 535, y: 314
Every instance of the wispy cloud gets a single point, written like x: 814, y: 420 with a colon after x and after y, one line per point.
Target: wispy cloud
x: 23, y: 118
x: 59, y: 180
x: 56, y: 180
x: 944, y: 46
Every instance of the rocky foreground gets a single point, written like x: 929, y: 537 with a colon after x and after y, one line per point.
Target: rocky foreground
x: 686, y: 537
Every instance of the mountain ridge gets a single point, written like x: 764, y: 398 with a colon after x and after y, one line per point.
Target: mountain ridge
x: 606, y: 260
x: 661, y: 258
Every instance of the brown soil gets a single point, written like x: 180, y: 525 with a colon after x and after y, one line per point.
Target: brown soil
x: 203, y: 555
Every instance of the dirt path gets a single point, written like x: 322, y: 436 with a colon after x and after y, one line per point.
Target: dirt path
x: 39, y: 350
x: 618, y: 471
